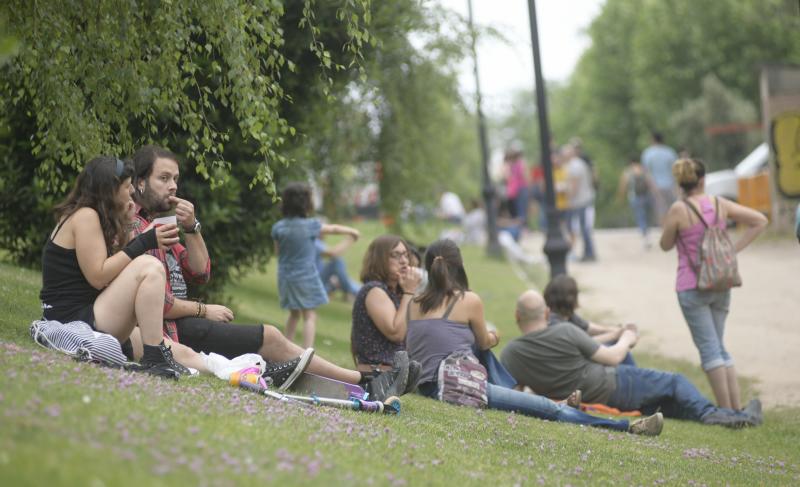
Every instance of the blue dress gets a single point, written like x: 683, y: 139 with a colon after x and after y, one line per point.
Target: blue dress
x: 299, y: 284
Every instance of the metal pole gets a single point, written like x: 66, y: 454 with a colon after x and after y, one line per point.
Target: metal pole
x: 492, y: 246
x: 555, y: 246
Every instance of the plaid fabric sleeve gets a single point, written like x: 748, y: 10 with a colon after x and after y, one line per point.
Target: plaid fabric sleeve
x: 170, y: 328
x: 182, y: 253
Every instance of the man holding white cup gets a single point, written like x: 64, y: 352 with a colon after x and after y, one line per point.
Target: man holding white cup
x: 206, y: 327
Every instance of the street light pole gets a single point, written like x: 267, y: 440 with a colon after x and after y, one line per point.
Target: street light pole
x: 492, y: 245
x: 555, y: 246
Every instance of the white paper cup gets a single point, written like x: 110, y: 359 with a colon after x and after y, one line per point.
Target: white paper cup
x: 166, y: 220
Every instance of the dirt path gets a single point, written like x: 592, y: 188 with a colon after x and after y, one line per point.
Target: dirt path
x: 763, y: 327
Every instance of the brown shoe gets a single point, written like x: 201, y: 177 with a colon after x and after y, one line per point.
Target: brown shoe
x: 649, y: 426
x: 574, y: 399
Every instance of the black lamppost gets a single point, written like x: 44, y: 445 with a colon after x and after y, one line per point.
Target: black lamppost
x: 492, y: 246
x: 555, y: 246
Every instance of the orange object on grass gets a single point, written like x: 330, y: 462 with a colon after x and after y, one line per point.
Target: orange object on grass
x: 603, y: 409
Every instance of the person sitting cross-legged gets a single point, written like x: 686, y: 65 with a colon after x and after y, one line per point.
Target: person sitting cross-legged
x: 561, y: 296
x: 555, y: 360
x: 207, y: 327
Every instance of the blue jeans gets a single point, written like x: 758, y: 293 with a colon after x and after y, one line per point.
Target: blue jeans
x: 498, y: 375
x: 504, y: 399
x: 648, y: 390
x: 628, y: 360
x: 641, y: 212
x: 705, y: 313
x: 518, y: 206
x: 336, y: 267
x: 581, y: 215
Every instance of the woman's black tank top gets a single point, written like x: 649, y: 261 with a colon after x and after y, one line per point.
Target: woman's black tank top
x: 65, y: 294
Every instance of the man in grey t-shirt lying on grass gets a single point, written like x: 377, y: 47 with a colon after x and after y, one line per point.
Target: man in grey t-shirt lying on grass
x: 558, y: 359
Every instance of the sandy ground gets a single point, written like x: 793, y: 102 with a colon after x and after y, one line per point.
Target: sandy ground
x: 629, y: 283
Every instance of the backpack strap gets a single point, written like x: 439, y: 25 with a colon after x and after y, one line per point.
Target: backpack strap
x: 452, y: 304
x: 691, y: 206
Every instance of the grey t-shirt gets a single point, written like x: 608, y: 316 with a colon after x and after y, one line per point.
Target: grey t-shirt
x: 582, y: 193
x: 576, y: 320
x: 555, y: 361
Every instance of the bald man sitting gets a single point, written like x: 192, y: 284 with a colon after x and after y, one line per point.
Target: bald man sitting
x: 555, y: 360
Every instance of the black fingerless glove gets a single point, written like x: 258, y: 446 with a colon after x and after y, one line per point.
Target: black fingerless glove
x: 141, y: 244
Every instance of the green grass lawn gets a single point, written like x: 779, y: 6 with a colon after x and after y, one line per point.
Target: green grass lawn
x: 68, y: 423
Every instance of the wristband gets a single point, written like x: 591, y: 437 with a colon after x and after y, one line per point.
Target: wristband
x: 141, y: 244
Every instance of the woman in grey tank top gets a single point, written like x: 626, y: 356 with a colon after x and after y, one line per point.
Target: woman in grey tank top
x: 448, y: 317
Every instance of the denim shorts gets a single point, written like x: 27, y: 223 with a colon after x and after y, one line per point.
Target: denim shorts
x: 705, y: 313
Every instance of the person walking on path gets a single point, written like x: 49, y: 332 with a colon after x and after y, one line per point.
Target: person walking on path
x: 641, y: 192
x: 447, y: 317
x: 658, y: 159
x: 705, y: 311
x: 556, y: 359
x: 299, y: 283
x: 517, y: 186
x: 581, y: 198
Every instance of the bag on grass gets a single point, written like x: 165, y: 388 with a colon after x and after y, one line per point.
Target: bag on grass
x: 715, y: 264
x: 462, y: 380
x: 78, y: 340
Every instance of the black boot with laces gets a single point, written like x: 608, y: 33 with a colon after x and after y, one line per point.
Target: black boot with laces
x: 158, y: 360
x: 282, y: 375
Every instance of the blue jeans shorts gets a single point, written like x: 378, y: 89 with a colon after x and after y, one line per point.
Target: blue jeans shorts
x: 705, y: 313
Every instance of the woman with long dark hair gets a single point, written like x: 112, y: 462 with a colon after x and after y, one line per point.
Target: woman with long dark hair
x: 92, y: 271
x: 447, y: 317
x: 705, y: 311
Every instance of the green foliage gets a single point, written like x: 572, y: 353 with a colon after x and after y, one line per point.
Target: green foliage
x: 645, y: 70
x: 238, y: 90
x: 716, y: 105
x: 212, y: 80
x: 102, y: 77
x: 426, y: 141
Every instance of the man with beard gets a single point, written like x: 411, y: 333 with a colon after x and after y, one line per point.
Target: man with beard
x: 207, y: 327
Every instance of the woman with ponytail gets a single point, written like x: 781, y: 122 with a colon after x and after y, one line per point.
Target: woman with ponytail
x: 705, y: 311
x: 447, y: 317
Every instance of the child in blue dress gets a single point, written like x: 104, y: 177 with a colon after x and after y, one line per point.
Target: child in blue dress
x: 299, y: 284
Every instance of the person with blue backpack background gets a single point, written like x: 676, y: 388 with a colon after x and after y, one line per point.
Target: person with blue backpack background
x: 638, y: 185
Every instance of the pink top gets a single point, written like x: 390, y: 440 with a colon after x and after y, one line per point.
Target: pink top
x: 516, y: 178
x: 688, y: 242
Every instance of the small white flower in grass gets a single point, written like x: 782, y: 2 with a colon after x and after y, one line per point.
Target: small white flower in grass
x: 86, y: 399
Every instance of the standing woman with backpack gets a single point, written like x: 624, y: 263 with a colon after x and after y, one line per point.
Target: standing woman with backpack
x: 705, y: 310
